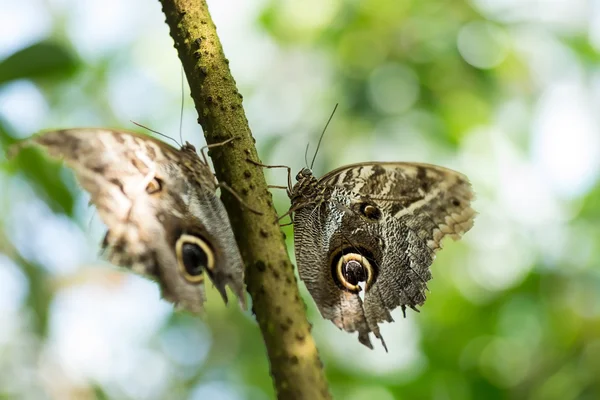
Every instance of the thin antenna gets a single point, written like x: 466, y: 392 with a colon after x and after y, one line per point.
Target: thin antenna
x: 322, y: 134
x: 306, y: 155
x: 181, y: 112
x: 158, y: 133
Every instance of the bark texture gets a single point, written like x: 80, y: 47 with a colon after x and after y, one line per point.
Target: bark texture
x: 296, y: 369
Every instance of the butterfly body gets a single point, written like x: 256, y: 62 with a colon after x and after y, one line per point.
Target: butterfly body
x: 164, y: 218
x: 372, y: 229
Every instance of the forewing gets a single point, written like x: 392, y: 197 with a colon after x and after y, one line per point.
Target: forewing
x: 431, y: 201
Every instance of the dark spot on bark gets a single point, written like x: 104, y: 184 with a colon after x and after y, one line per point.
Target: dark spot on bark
x: 284, y: 327
x: 209, y: 99
x: 264, y: 233
x: 251, y: 186
x: 276, y: 274
x: 198, y: 41
x: 421, y: 172
x: 288, y: 280
x: 223, y: 108
x: 278, y: 310
x: 245, y: 191
x: 227, y: 61
x: 247, y: 174
x: 294, y: 360
x: 300, y: 337
x: 203, y: 22
x: 260, y: 265
x: 455, y: 202
x: 197, y: 55
x: 204, y: 70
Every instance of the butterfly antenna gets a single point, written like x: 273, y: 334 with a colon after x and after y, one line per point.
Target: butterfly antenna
x: 322, y: 134
x: 158, y: 133
x: 306, y: 154
x: 181, y: 111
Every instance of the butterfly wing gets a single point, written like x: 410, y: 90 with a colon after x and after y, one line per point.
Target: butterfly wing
x: 164, y: 219
x: 392, y: 217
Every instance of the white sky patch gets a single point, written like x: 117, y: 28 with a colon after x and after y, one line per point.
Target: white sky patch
x: 401, y: 337
x: 13, y: 293
x: 24, y: 107
x: 563, y: 15
x: 100, y: 333
x: 52, y: 240
x: 566, y: 139
x: 97, y: 27
x: 22, y: 23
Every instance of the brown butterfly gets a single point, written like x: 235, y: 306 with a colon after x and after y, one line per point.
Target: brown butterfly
x: 164, y: 218
x: 374, y: 228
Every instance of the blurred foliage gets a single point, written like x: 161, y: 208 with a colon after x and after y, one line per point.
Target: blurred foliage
x: 443, y: 69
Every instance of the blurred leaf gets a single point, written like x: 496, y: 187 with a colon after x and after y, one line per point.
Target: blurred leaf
x: 590, y: 209
x: 584, y: 49
x: 40, y: 60
x: 44, y: 175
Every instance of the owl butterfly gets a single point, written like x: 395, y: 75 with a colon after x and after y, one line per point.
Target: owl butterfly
x: 374, y: 229
x: 164, y: 218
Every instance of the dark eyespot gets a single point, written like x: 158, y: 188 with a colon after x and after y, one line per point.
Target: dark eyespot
x: 352, y: 269
x: 194, y: 259
x: 154, y: 186
x: 455, y: 202
x: 194, y: 256
x: 370, y: 211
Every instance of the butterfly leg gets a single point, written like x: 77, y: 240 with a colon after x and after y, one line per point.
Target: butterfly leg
x: 289, y: 173
x: 225, y: 186
x: 211, y: 146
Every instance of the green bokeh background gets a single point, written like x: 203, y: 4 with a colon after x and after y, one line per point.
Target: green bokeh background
x: 513, y: 309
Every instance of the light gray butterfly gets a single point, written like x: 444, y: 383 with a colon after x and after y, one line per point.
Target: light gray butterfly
x: 374, y: 228
x: 164, y: 218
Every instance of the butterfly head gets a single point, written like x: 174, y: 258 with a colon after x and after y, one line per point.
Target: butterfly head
x: 305, y: 173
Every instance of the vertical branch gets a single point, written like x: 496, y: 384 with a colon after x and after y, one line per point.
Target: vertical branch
x: 295, y: 365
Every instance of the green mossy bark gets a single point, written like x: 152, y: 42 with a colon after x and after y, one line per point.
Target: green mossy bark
x: 281, y: 314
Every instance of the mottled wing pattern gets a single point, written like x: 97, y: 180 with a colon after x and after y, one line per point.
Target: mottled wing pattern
x: 432, y: 201
x: 419, y: 205
x: 116, y: 167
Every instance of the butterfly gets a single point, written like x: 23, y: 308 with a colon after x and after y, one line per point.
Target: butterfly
x: 159, y: 203
x: 373, y: 229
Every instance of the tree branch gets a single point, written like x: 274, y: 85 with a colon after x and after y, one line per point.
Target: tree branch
x: 295, y: 365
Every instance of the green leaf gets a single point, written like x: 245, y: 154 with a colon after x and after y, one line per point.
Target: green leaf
x: 40, y: 60
x: 43, y: 174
